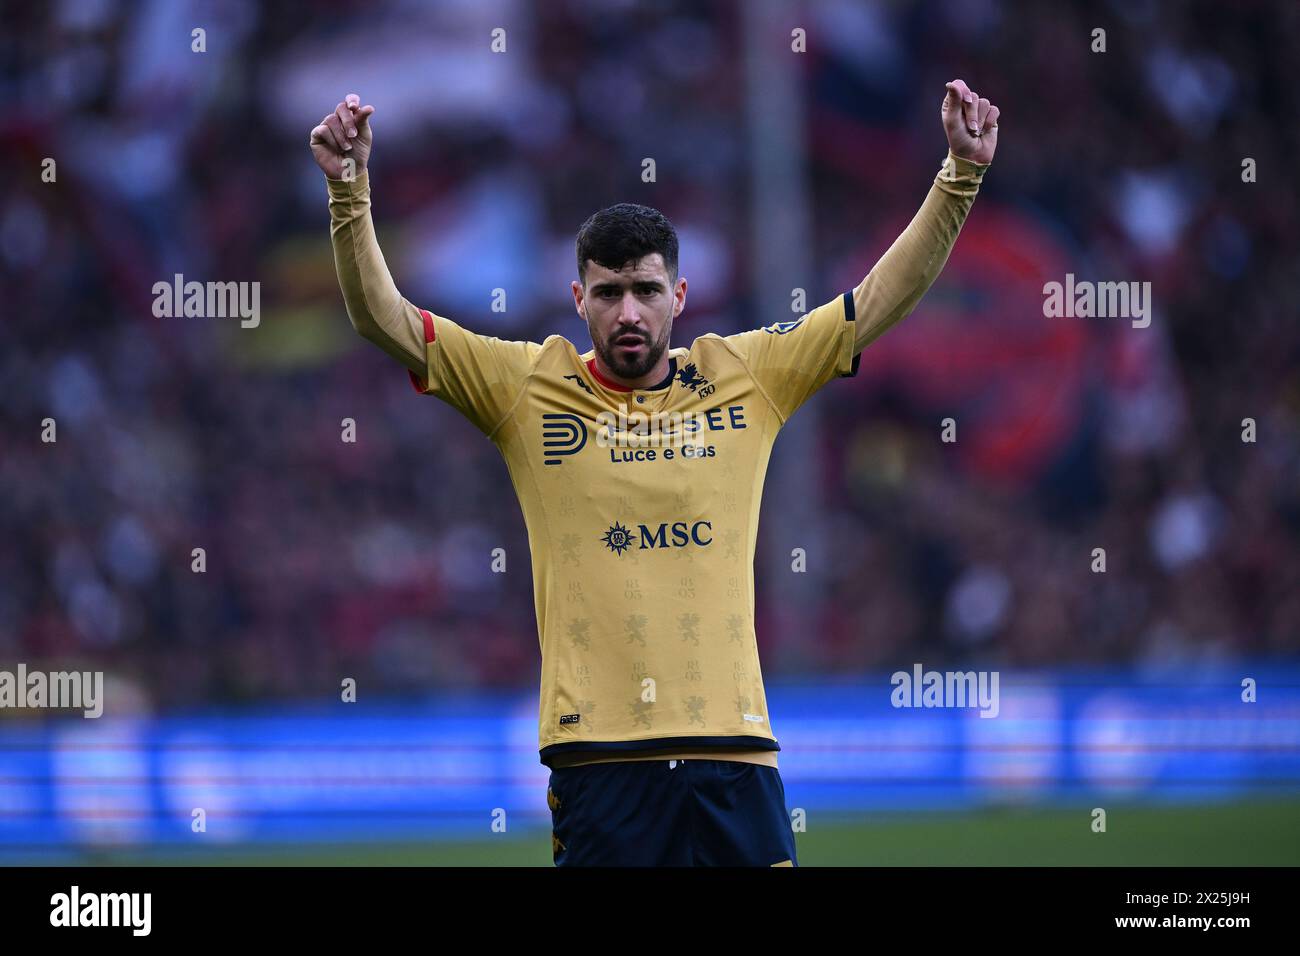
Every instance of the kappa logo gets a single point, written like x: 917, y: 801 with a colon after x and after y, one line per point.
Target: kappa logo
x: 585, y: 387
x: 562, y: 434
x: 781, y: 328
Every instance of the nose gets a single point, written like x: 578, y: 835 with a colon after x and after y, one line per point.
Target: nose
x: 630, y: 314
x: 629, y: 318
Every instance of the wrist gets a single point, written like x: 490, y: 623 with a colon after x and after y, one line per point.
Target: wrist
x: 959, y: 169
x: 343, y: 187
x: 966, y: 163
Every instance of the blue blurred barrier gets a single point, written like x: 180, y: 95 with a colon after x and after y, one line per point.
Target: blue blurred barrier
x: 456, y: 766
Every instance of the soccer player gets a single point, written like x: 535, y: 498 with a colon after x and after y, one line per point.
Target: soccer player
x: 639, y: 468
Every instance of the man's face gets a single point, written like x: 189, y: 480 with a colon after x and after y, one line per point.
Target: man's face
x: 630, y: 314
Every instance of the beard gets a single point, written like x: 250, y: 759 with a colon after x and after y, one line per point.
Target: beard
x: 631, y: 367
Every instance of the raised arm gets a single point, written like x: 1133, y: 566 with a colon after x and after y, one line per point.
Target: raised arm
x: 341, y: 147
x: 896, y: 283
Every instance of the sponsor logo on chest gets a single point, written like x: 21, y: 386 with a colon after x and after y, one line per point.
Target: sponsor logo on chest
x: 660, y: 537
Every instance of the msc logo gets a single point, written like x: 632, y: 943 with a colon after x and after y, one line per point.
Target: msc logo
x: 562, y: 434
x: 618, y: 538
x: 780, y: 328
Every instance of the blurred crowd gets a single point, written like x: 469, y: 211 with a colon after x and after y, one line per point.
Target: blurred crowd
x: 1079, y: 441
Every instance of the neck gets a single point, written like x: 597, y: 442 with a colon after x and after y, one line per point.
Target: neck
x: 657, y: 376
x: 651, y: 378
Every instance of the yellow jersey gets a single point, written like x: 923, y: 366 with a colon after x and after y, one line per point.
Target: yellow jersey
x: 642, y: 510
x: 642, y: 504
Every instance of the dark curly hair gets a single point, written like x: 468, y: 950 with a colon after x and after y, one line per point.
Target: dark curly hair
x: 625, y: 233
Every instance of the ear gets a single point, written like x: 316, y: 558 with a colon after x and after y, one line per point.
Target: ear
x: 579, y: 299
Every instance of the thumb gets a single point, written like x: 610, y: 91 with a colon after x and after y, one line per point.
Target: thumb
x: 362, y: 116
x: 952, y: 100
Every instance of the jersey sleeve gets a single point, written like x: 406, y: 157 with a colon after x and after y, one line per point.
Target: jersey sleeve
x: 481, y: 376
x: 791, y: 360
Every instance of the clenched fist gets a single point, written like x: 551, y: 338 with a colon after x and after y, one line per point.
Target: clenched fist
x: 342, y: 136
x: 970, y: 122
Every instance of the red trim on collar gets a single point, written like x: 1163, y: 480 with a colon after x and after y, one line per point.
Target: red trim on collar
x: 591, y: 366
x: 618, y: 387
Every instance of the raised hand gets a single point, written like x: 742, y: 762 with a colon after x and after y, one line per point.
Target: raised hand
x: 971, y: 123
x: 343, y: 135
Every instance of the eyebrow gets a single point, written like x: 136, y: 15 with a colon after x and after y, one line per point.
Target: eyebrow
x: 652, y: 283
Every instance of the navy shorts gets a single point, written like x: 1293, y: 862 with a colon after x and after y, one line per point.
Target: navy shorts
x: 670, y: 813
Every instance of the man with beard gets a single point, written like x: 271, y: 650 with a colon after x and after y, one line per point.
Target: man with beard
x: 653, y: 717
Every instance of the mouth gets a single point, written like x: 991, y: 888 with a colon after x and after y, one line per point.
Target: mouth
x: 629, y: 343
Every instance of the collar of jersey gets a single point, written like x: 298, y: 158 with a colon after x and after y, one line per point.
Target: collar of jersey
x: 619, y: 387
